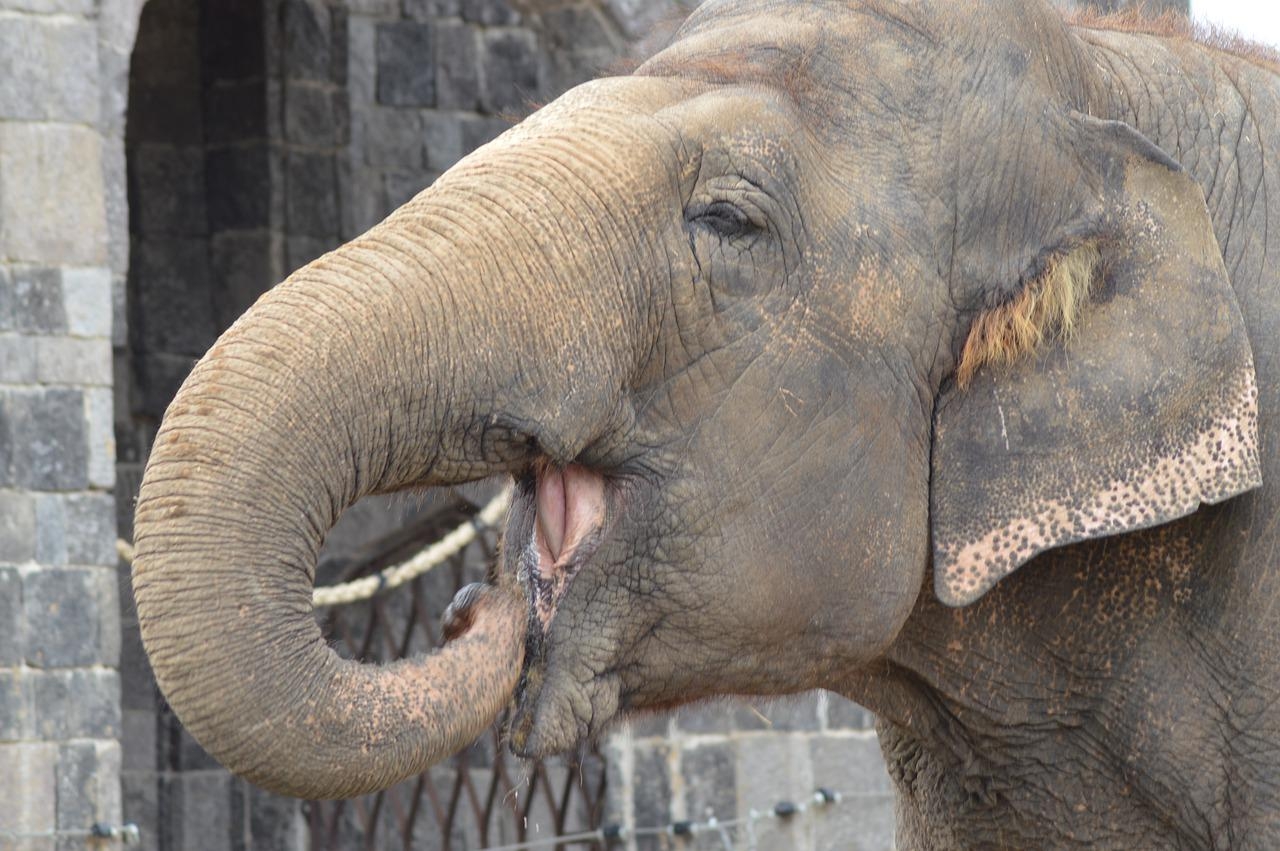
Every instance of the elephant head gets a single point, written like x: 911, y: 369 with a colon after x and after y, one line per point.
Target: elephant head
x: 821, y: 296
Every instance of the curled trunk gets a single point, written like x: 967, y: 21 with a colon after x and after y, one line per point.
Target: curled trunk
x: 416, y: 355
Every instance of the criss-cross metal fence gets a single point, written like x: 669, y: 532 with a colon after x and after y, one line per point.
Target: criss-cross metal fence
x: 483, y: 796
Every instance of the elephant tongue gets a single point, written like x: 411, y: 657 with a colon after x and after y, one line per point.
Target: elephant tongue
x: 570, y: 506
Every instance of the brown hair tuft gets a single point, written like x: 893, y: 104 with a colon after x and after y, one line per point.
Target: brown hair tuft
x: 1046, y: 307
x: 1170, y: 24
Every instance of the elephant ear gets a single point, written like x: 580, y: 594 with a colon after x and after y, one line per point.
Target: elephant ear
x: 1133, y: 399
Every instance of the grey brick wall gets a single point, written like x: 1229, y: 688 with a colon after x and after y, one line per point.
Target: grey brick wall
x: 729, y: 758
x: 59, y: 653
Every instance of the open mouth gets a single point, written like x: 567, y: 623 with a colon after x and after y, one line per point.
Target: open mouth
x: 569, y: 519
x: 554, y: 710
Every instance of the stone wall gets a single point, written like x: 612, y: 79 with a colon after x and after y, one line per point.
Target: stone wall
x: 729, y: 758
x: 59, y: 686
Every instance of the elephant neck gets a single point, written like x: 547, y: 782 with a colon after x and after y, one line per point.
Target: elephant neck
x: 1092, y: 699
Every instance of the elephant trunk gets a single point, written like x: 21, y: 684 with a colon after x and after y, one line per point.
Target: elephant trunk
x: 463, y: 337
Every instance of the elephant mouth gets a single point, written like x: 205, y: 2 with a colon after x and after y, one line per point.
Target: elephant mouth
x: 569, y: 513
x: 569, y: 507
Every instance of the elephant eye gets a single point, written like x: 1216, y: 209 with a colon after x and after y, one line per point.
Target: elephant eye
x: 723, y: 218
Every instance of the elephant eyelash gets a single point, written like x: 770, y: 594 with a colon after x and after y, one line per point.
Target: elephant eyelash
x: 723, y: 218
x: 1048, y: 306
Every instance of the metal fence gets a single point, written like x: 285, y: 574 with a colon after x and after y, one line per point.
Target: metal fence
x: 482, y: 797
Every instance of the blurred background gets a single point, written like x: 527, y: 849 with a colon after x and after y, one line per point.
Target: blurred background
x: 161, y: 165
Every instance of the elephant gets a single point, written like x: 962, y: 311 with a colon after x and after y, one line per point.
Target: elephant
x: 925, y: 352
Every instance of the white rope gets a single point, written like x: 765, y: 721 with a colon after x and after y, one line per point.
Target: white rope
x: 397, y: 574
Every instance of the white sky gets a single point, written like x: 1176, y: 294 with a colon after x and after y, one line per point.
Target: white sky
x: 1255, y: 19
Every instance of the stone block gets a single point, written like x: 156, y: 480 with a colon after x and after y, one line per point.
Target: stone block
x: 164, y: 112
x: 35, y: 299
x: 636, y: 17
x: 579, y: 28
x: 430, y: 10
x: 339, y: 42
x: 490, y: 13
x: 276, y: 821
x: 119, y: 311
x: 363, y: 201
x: 72, y: 617
x: 401, y: 187
x: 374, y: 8
x: 479, y: 130
x: 77, y: 704
x: 311, y: 207
x: 844, y: 714
x: 100, y: 435
x: 235, y: 111
x: 43, y: 436
x: 710, y: 780
x: 91, y: 529
x: 11, y: 648
x: 457, y: 67
x: 362, y: 59
x: 855, y: 824
x: 51, y: 530
x: 138, y: 684
x: 651, y: 785
x: 307, y: 41
x: 244, y: 265
x: 510, y: 71
x: 35, y: 88
x: 158, y: 378
x: 309, y: 115
x: 200, y: 810
x: 115, y: 194
x: 17, y: 703
x: 797, y: 713
x: 237, y: 181
x: 168, y: 196
x: 233, y: 41
x: 393, y: 138
x: 85, y: 772
x: 50, y: 7
x: 142, y: 792
x: 173, y: 307
x: 301, y: 250
x: 652, y: 725
x: 773, y: 769
x: 441, y: 140
x: 17, y: 359
x: 850, y: 763
x: 138, y: 740
x: 28, y: 787
x: 178, y: 750
x: 17, y: 521
x: 707, y: 718
x: 52, y: 206
x: 406, y: 64
x: 73, y: 360
x: 86, y: 294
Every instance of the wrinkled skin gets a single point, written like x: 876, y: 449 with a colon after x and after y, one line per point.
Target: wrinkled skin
x: 710, y: 317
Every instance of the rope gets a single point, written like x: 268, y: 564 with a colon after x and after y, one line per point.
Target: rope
x: 397, y: 574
